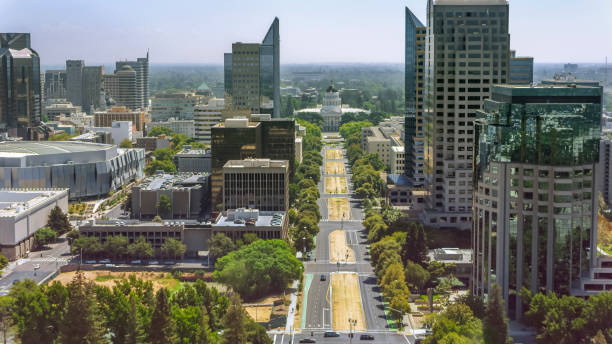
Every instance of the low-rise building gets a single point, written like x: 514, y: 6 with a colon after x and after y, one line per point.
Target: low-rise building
x: 189, y: 195
x: 460, y: 259
x: 185, y: 127
x: 380, y: 140
x: 266, y: 225
x: 120, y: 113
x: 179, y: 105
x: 156, y: 233
x: 60, y: 107
x: 119, y: 131
x: 94, y: 137
x: 22, y: 213
x: 256, y: 184
x: 193, y: 160
x: 152, y: 143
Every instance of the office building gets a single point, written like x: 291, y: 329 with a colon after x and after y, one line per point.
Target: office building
x: 467, y: 52
x: 60, y: 107
x: 185, y: 127
x: 604, y: 173
x: 332, y: 109
x: 521, y: 70
x: 535, y: 199
x: 119, y: 131
x: 385, y: 140
x: 414, y: 84
x: 265, y: 224
x: 74, y: 81
x: 22, y: 213
x: 193, y: 160
x: 207, y: 116
x: 84, y: 85
x: 20, y: 97
x: 55, y: 84
x: 256, y: 184
x: 88, y: 170
x: 252, y: 74
x: 239, y: 138
x: 134, y: 90
x: 94, y: 137
x: 189, y: 195
x: 120, y: 113
x: 175, y: 105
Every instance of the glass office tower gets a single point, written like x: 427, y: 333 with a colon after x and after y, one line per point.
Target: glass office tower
x: 269, y: 71
x: 414, y: 62
x: 535, y: 205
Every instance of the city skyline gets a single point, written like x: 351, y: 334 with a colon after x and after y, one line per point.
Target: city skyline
x: 313, y: 32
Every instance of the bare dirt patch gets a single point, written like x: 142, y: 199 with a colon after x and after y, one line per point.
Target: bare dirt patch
x: 338, y: 250
x: 346, y: 301
x: 336, y: 185
x: 338, y: 209
x: 333, y: 154
x: 109, y: 278
x: 334, y: 167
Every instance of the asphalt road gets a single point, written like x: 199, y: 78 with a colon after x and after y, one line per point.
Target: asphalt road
x: 390, y: 338
x: 318, y: 312
x: 47, y: 261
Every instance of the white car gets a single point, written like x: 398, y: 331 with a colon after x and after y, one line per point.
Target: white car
x: 36, y: 266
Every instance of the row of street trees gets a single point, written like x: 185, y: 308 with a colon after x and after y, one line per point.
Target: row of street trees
x: 129, y: 312
x: 304, y: 216
x: 118, y: 247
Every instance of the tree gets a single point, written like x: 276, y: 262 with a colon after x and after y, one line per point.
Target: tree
x: 116, y: 245
x: 220, y: 245
x: 256, y: 333
x: 386, y: 244
x: 164, y: 206
x: 415, y: 275
x: 235, y: 319
x: 157, y: 131
x: 141, y: 248
x: 259, y: 268
x: 126, y: 143
x: 173, y: 248
x: 204, y: 336
x: 162, y: 327
x: 187, y: 322
x: 249, y: 238
x: 135, y: 333
x: 160, y: 165
x: 163, y: 154
x: 301, y: 238
x: 57, y: 299
x: 495, y: 324
x: 415, y: 247
x: 58, y: 221
x: 6, y: 321
x: 30, y: 313
x: 456, y: 324
x: 45, y: 236
x: 82, y: 323
x: 393, y: 272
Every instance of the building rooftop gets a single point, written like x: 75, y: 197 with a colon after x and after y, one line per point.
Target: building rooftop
x: 22, y: 148
x: 451, y: 255
x: 249, y: 217
x: 255, y: 163
x: 15, y: 201
x: 166, y: 181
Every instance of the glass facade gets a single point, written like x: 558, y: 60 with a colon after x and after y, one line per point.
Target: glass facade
x: 269, y: 71
x: 535, y: 153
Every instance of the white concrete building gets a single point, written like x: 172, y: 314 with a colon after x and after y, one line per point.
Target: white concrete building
x: 22, y: 213
x: 175, y: 105
x: 385, y: 140
x: 119, y: 130
x: 206, y: 116
x: 332, y: 109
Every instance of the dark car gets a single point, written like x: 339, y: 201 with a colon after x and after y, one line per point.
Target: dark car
x: 331, y: 334
x: 308, y: 340
x: 323, y: 277
x: 366, y: 337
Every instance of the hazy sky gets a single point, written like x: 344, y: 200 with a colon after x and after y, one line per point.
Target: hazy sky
x: 312, y: 31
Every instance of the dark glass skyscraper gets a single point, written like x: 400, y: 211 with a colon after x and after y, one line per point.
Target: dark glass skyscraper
x: 415, y: 34
x: 535, y: 204
x: 20, y: 90
x: 252, y: 74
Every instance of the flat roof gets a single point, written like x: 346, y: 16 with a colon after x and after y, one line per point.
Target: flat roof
x: 21, y: 148
x: 15, y: 201
x: 253, y: 163
x: 165, y: 181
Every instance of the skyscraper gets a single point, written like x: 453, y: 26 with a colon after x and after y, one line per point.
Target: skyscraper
x: 84, y: 85
x: 55, y: 84
x: 521, y: 69
x: 467, y: 52
x: 535, y: 201
x: 74, y: 81
x: 414, y: 70
x: 252, y: 74
x: 141, y: 67
x: 20, y: 98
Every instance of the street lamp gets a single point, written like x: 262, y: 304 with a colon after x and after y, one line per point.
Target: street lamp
x: 352, y: 323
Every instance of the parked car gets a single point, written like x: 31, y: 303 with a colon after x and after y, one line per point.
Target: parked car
x: 91, y: 261
x: 331, y: 334
x: 36, y: 266
x: 323, y: 277
x: 153, y: 262
x: 366, y: 337
x: 169, y: 262
x: 136, y: 261
x: 105, y: 261
x: 109, y: 265
x: 308, y: 340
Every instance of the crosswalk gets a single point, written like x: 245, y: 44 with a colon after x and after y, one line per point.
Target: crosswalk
x: 50, y: 259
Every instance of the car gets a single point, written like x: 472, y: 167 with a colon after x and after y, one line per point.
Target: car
x: 366, y: 337
x: 105, y: 261
x: 169, y: 262
x: 91, y: 261
x: 136, y: 261
x: 323, y: 277
x: 109, y: 265
x: 153, y: 262
x: 36, y: 266
x: 308, y: 340
x: 331, y: 334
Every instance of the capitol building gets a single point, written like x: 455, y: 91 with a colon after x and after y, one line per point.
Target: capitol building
x: 332, y: 109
